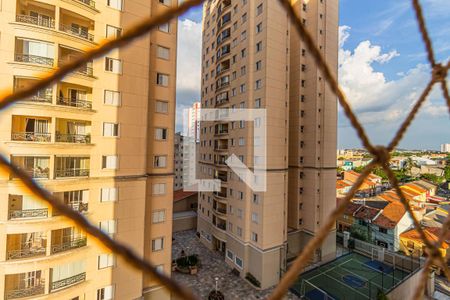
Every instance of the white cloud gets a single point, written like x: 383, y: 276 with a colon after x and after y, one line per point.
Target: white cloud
x: 371, y: 94
x: 189, y: 55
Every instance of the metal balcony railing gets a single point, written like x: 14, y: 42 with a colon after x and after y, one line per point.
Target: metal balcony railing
x: 73, y: 138
x: 79, y: 207
x: 73, y: 244
x: 74, y: 102
x: 221, y: 226
x: 37, y: 173
x: 85, y: 70
x: 38, y: 21
x: 31, y: 136
x: 72, y: 173
x: 34, y: 59
x: 26, y: 292
x: 76, y: 32
x: 28, y: 213
x: 26, y: 252
x: 37, y: 98
x: 87, y: 2
x: 67, y: 281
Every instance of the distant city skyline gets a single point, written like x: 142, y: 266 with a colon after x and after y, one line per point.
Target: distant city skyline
x: 384, y: 46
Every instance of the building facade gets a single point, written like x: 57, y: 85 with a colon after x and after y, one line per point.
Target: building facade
x: 100, y: 140
x: 253, y: 58
x: 445, y: 148
x: 194, y: 121
x: 178, y: 163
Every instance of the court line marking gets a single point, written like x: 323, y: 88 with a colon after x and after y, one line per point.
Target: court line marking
x: 340, y: 282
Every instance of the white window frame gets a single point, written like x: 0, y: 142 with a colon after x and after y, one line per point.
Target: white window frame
x: 109, y: 194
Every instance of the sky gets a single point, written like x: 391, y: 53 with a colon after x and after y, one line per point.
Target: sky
x: 382, y: 69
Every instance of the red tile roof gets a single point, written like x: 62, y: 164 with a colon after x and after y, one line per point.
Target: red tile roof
x: 391, y: 215
x: 180, y: 195
x: 367, y: 213
x: 432, y: 234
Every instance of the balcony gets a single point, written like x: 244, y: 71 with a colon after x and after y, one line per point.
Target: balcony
x: 38, y: 21
x: 222, y: 98
x: 75, y: 95
x: 223, y: 67
x: 73, y: 131
x: 219, y: 208
x: 25, y: 245
x: 219, y: 223
x: 225, y: 4
x: 24, y: 285
x: 76, y: 200
x: 221, y: 145
x: 30, y: 129
x: 67, y: 55
x: 66, y: 282
x: 71, y: 167
x: 89, y: 3
x: 221, y: 175
x: 222, y: 193
x: 67, y: 239
x: 76, y: 25
x: 33, y: 59
x: 226, y: 18
x: 42, y: 96
x: 36, y: 167
x: 221, y: 129
x: 222, y: 82
x: 35, y: 13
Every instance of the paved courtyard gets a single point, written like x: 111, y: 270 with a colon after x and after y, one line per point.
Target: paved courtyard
x: 212, y: 265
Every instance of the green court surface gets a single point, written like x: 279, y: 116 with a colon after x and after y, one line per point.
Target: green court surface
x: 351, y: 277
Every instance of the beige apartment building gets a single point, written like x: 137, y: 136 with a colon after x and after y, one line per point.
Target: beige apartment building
x: 253, y: 58
x: 101, y: 140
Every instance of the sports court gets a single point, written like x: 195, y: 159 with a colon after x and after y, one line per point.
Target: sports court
x: 352, y: 276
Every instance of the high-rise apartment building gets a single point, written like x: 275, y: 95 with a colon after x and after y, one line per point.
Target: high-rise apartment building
x: 254, y: 58
x: 178, y: 163
x: 100, y: 140
x: 445, y: 148
x: 194, y: 121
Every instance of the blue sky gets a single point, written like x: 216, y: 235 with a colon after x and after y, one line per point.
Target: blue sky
x: 383, y: 68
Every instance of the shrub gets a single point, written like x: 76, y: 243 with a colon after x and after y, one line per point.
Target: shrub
x: 187, y: 261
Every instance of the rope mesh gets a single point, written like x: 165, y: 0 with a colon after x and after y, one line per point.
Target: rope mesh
x: 380, y: 154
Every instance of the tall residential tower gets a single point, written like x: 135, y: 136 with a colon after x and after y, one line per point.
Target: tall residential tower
x: 100, y: 140
x: 254, y: 58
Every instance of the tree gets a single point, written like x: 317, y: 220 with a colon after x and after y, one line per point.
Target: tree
x: 433, y: 178
x: 447, y: 173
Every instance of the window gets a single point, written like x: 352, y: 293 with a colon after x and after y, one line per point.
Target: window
x: 258, y: 65
x: 259, y: 9
x: 239, y: 231
x: 161, y: 134
x: 255, y: 218
x: 108, y: 227
x: 230, y: 254
x: 239, y: 262
x: 162, y: 79
x: 239, y: 213
x: 254, y: 237
x: 259, y: 28
x: 242, y: 88
x: 117, y: 4
x: 258, y: 84
x: 159, y: 189
x: 241, y: 141
x: 160, y: 269
x: 160, y: 161
x: 105, y: 293
x: 243, y: 35
x: 109, y: 194
x: 257, y: 103
x: 165, y: 2
x: 163, y: 52
x: 258, y: 46
x: 113, y: 65
x: 382, y: 230
x: 255, y: 199
x: 162, y: 106
x: 244, y: 18
x: 112, y: 31
x: 110, y: 129
x: 106, y: 261
x: 158, y: 216
x: 158, y: 244
x: 164, y: 27
x: 110, y: 162
x: 112, y: 97
x: 243, y: 53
